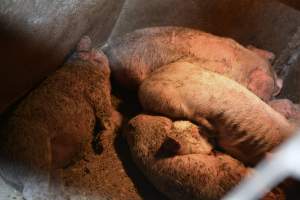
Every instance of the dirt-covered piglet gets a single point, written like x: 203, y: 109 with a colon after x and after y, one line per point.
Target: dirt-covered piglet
x: 65, y: 114
x: 245, y: 126
x: 136, y: 55
x: 179, y: 162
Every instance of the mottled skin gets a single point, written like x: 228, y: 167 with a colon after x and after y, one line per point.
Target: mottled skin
x: 245, y: 126
x: 51, y: 127
x: 182, y: 173
x: 136, y: 55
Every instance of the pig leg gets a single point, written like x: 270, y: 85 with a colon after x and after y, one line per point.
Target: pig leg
x: 247, y: 127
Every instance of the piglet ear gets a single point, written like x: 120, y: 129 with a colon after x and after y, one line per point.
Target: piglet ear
x: 261, y: 85
x: 84, y: 44
x: 278, y: 86
x: 99, y: 57
x: 169, y: 148
x: 82, y: 50
x: 267, y: 55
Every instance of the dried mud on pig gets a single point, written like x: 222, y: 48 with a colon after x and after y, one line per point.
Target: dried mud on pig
x: 51, y: 127
x: 180, y: 163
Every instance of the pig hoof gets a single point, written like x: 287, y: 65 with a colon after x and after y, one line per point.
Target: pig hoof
x: 117, y: 119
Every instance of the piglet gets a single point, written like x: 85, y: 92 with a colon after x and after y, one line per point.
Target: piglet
x: 55, y: 122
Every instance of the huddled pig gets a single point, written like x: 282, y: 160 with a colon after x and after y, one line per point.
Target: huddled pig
x: 56, y: 121
x: 136, y: 55
x: 213, y: 81
x: 223, y: 87
x: 244, y: 125
x: 177, y: 158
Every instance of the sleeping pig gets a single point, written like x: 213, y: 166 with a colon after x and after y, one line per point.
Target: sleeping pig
x: 162, y: 62
x: 244, y: 125
x: 136, y: 55
x: 53, y: 125
x: 179, y: 161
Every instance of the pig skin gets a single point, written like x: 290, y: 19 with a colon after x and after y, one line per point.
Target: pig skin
x: 287, y: 108
x: 245, y: 126
x: 197, y: 173
x: 52, y: 126
x: 136, y: 55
